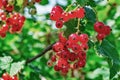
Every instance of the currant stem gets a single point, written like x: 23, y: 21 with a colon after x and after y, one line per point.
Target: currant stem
x: 70, y: 6
x: 78, y: 27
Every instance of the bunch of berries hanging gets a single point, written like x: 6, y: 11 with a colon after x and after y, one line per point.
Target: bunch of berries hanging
x: 102, y: 30
x: 9, y: 21
x: 69, y: 53
x: 60, y: 16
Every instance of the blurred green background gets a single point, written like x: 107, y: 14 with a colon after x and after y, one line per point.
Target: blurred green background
x: 39, y: 31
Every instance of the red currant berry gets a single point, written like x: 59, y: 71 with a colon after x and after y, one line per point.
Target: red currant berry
x: 53, y: 58
x: 65, y: 54
x: 73, y: 57
x: 9, y: 21
x: 64, y: 17
x: 56, y: 13
x: 3, y: 35
x: 9, y: 8
x: 62, y: 39
x: 65, y: 70
x: 83, y: 38
x: 81, y: 63
x: 68, y: 44
x: 80, y: 12
x: 84, y: 46
x: 101, y: 36
x: 72, y: 14
x: 76, y: 48
x: 81, y: 55
x: 56, y: 68
x: 5, y: 28
x: 62, y: 63
x: 6, y: 76
x: 59, y: 24
x: 58, y: 46
x: 107, y: 30
x: 74, y: 38
x: 99, y: 27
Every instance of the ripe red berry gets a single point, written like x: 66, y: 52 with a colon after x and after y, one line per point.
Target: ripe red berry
x: 53, y: 58
x: 6, y: 76
x: 101, y: 36
x: 2, y: 16
x: 62, y: 39
x: 107, y: 30
x: 9, y: 8
x: 56, y: 68
x: 74, y: 38
x: 99, y: 27
x: 84, y: 46
x: 3, y: 35
x: 64, y: 17
x: 80, y: 12
x: 72, y: 14
x: 59, y: 24
x: 64, y: 70
x: 4, y: 2
x: 76, y: 48
x: 73, y: 57
x: 9, y: 21
x: 56, y: 13
x: 58, y: 46
x: 68, y: 44
x: 83, y: 38
x: 81, y: 63
x: 81, y: 55
x: 65, y: 54
x: 62, y: 63
x: 5, y: 28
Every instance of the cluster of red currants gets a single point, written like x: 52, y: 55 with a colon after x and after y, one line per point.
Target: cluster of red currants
x: 60, y: 16
x: 102, y: 30
x: 69, y: 54
x: 6, y: 76
x: 13, y: 24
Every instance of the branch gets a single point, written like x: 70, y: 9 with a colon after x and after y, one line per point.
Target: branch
x: 39, y: 55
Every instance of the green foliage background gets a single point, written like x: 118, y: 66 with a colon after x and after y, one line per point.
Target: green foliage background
x: 38, y: 34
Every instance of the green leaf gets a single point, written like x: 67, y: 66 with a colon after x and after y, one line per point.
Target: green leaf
x: 5, y: 62
x: 71, y: 27
x: 90, y: 14
x: 82, y: 2
x: 16, y: 67
x: 44, y: 2
x: 19, y: 2
x: 106, y: 49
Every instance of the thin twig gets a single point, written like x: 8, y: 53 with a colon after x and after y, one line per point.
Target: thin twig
x: 41, y: 54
